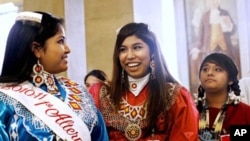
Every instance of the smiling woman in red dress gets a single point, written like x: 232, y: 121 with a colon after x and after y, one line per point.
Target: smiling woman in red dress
x: 145, y: 102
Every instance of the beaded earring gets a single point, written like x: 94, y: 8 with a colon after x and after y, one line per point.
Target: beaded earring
x: 152, y: 66
x: 122, y: 77
x: 38, y: 77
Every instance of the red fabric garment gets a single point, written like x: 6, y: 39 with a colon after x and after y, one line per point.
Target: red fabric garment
x: 94, y: 92
x: 184, y: 118
x: 181, y: 124
x: 236, y: 115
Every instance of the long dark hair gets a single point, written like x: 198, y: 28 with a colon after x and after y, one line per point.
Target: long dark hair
x: 19, y: 57
x: 158, y: 95
x: 229, y: 66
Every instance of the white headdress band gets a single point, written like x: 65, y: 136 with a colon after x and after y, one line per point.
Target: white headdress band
x: 29, y: 16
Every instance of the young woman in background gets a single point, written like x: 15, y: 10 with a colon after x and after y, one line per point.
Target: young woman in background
x: 219, y: 98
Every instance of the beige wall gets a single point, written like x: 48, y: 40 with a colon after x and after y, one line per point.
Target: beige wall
x: 103, y: 18
x: 56, y: 7
x: 14, y: 1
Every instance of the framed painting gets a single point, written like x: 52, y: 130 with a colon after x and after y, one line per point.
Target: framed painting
x: 212, y: 26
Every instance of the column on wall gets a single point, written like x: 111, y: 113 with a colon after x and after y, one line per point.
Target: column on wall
x: 75, y: 31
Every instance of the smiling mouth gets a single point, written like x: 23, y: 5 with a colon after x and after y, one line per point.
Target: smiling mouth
x: 133, y: 64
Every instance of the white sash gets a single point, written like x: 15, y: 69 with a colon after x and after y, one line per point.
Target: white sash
x: 54, y: 113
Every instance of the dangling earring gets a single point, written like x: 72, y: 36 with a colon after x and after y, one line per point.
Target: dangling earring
x: 152, y: 66
x: 37, y: 70
x: 122, y: 77
x: 200, y: 96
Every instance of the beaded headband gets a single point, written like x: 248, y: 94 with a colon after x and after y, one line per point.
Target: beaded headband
x: 29, y: 16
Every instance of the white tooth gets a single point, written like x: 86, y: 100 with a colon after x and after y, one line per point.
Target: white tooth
x: 132, y: 64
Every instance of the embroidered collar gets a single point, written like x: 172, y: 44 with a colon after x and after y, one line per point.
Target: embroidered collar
x: 137, y: 84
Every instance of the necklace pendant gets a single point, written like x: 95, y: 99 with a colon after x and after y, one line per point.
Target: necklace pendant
x: 134, y: 86
x: 133, y: 132
x: 206, y: 136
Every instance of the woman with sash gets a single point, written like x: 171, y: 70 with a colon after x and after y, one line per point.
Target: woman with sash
x: 145, y: 103
x: 35, y: 104
x: 219, y: 99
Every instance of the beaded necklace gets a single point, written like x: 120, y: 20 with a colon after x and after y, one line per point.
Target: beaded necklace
x: 207, y: 134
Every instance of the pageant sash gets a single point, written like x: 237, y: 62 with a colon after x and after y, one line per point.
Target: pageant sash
x: 52, y: 111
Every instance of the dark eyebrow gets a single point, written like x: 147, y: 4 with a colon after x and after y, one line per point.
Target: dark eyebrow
x: 62, y: 37
x: 137, y: 44
x: 132, y: 45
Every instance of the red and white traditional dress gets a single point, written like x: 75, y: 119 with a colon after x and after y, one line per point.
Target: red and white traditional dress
x: 178, y: 123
